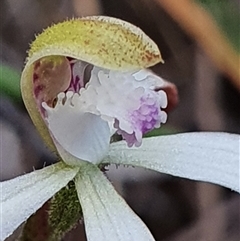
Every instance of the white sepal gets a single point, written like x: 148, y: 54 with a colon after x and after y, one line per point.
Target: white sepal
x: 107, y: 217
x: 210, y: 157
x: 24, y: 195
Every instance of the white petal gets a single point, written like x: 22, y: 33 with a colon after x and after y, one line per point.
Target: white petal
x: 24, y: 195
x: 83, y: 135
x: 210, y: 157
x: 107, y: 217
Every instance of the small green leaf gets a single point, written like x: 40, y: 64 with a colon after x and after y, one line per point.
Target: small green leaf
x: 10, y: 82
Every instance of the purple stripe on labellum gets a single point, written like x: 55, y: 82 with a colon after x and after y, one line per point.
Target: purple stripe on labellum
x: 77, y: 75
x: 75, y: 85
x: 76, y: 81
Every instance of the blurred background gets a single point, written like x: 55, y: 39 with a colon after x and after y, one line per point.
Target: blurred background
x: 200, y: 43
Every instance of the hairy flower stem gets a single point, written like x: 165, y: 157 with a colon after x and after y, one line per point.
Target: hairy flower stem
x: 58, y: 216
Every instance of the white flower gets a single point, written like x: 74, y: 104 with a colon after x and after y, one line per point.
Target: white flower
x: 81, y: 122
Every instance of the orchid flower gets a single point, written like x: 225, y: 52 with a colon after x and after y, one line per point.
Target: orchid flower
x: 85, y: 80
